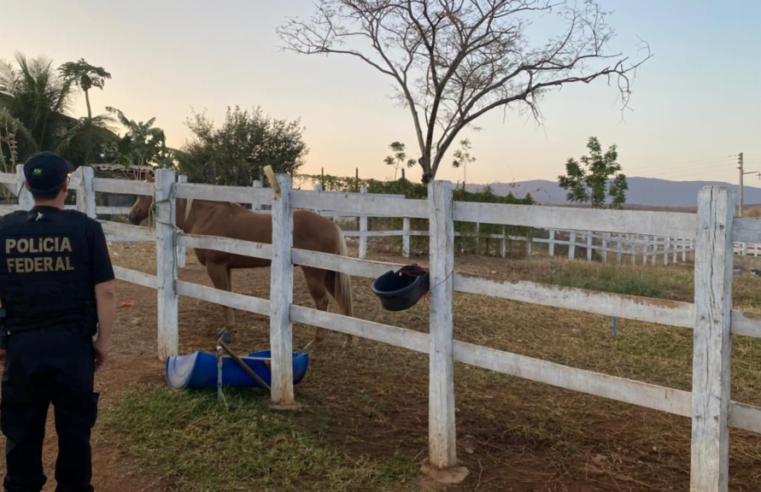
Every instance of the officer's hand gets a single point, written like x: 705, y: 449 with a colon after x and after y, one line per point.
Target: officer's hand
x: 101, y: 354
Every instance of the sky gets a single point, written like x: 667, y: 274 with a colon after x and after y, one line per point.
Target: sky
x: 694, y: 105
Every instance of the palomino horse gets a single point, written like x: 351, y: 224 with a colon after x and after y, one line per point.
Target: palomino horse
x: 311, y: 231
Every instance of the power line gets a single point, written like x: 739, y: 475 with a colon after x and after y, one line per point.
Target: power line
x: 683, y: 163
x: 689, y: 175
x: 700, y: 168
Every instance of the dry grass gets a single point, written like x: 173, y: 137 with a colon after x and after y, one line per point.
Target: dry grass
x: 370, y: 402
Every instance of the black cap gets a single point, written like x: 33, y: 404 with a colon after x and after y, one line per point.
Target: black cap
x: 46, y: 171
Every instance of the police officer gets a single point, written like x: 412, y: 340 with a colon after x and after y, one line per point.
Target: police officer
x: 57, y: 293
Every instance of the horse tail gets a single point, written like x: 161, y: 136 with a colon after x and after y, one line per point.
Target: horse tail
x: 342, y: 284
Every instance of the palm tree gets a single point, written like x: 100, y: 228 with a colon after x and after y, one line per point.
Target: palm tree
x: 34, y: 100
x: 34, y: 94
x: 86, y: 76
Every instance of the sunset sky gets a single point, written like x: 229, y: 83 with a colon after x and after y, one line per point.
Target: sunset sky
x: 695, y: 105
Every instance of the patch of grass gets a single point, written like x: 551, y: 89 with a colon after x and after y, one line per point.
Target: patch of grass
x: 638, y: 281
x: 198, y: 444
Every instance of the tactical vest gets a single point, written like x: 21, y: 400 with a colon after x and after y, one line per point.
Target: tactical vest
x: 45, y: 278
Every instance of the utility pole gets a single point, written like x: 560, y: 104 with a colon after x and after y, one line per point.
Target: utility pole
x: 742, y: 174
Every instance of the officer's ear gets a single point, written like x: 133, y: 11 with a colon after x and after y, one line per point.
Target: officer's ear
x: 65, y: 187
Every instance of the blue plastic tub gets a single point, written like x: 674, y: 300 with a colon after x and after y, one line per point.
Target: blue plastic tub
x: 199, y: 370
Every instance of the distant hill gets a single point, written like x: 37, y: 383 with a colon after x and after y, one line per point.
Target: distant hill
x: 648, y: 192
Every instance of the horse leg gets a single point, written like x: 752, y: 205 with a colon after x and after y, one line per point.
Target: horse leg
x: 220, y: 277
x: 330, y: 285
x: 315, y: 283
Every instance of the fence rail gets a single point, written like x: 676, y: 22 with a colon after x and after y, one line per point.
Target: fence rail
x: 708, y: 405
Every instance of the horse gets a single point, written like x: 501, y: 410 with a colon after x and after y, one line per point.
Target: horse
x: 311, y: 231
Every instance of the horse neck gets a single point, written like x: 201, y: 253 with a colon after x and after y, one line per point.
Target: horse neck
x: 181, y: 205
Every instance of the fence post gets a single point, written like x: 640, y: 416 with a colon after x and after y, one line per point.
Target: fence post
x: 605, y: 237
x: 502, y: 243
x: 363, y: 229
x: 281, y: 297
x: 478, y: 235
x: 166, y: 267
x: 441, y: 403
x: 85, y: 193
x: 589, y: 246
x: 711, y: 341
x: 674, y: 248
x: 634, y: 248
x: 25, y: 200
x: 552, y: 242
x: 684, y: 249
x: 654, y: 241
x: 529, y: 245
x: 665, y: 251
x: 256, y: 184
x: 572, y: 246
x: 406, y: 237
x: 181, y: 251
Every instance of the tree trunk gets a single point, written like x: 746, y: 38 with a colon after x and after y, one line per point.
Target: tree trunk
x: 87, y: 99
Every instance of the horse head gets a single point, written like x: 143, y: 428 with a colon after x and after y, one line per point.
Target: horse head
x: 142, y: 207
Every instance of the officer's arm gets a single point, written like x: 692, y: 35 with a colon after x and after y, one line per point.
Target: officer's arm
x: 105, y: 297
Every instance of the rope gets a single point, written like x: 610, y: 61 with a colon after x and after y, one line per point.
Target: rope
x: 174, y: 229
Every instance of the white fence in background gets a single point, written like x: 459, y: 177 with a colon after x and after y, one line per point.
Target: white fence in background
x: 711, y: 316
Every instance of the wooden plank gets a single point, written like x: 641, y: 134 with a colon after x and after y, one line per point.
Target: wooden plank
x: 224, y: 298
x: 135, y: 277
x: 659, y: 311
x: 603, y: 220
x: 746, y: 417
x: 166, y: 266
x: 226, y: 245
x: 614, y: 388
x: 215, y: 193
x: 8, y: 178
x: 137, y: 233
x: 122, y: 186
x: 406, y: 238
x: 589, y: 247
x: 366, y: 234
x: 712, y: 342
x: 25, y: 200
x: 363, y: 231
x: 572, y: 246
x: 103, y: 210
x: 746, y: 230
x: 611, y: 387
x: 344, y: 264
x: 85, y: 192
x: 442, y: 449
x: 181, y: 250
x: 353, y: 204
x: 551, y: 242
x: 281, y: 295
x: 390, y: 335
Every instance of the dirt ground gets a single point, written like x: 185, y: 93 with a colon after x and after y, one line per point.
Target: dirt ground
x: 513, y: 435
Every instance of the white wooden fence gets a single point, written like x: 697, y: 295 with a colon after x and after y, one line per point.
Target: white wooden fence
x: 711, y: 316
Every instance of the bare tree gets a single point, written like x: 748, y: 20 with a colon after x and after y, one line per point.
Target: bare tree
x: 455, y: 60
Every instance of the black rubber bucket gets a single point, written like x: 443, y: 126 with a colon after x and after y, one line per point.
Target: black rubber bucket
x: 403, y: 289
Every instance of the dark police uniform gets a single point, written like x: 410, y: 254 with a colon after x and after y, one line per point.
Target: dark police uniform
x: 50, y: 262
